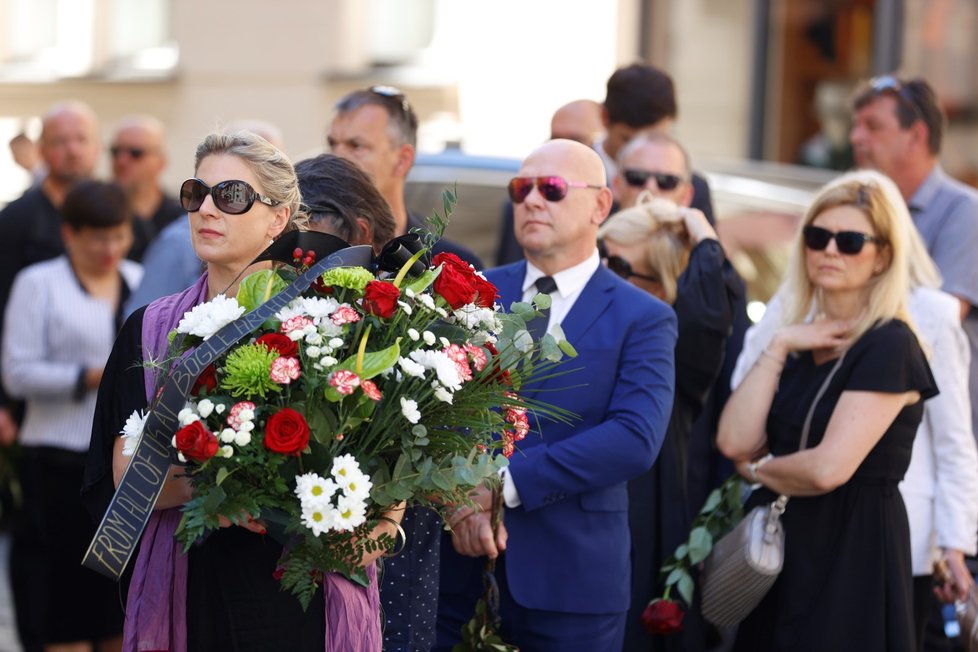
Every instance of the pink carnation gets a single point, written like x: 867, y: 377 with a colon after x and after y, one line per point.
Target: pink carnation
x: 284, y: 370
x: 344, y: 381
x: 478, y: 355
x: 461, y: 360
x: 370, y: 388
x: 297, y: 323
x: 234, y: 418
x: 520, y: 423
x: 345, y: 315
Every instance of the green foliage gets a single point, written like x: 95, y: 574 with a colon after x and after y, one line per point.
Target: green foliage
x: 722, y: 510
x: 258, y: 287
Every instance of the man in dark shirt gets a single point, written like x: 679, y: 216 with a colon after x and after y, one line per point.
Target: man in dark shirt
x: 377, y: 129
x: 30, y: 227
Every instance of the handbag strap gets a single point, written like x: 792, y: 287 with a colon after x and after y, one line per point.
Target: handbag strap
x: 777, y: 507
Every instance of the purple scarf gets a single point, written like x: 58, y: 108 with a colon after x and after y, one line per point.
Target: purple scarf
x: 156, y: 611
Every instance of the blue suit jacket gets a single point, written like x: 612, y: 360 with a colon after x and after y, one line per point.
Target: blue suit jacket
x: 568, y: 546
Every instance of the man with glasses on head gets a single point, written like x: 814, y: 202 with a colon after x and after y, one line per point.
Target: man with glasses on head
x: 898, y: 128
x: 563, y: 580
x: 377, y: 129
x: 138, y: 160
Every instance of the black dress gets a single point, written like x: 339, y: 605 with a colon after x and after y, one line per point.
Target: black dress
x: 846, y: 582
x: 658, y: 510
x: 233, y: 601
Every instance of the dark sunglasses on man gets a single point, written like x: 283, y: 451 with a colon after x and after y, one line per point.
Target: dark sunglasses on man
x: 233, y: 196
x: 848, y: 243
x: 638, y: 179
x: 551, y: 188
x: 134, y: 153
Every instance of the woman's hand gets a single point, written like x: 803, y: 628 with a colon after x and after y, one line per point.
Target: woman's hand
x: 954, y: 578
x: 697, y: 225
x: 828, y: 335
x: 246, y: 521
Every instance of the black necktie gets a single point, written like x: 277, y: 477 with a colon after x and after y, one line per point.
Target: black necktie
x: 538, y: 327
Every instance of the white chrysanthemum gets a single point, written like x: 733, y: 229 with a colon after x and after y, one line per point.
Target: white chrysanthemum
x: 328, y: 361
x: 319, y: 517
x: 409, y: 409
x: 444, y: 367
x: 246, y: 414
x: 336, y: 342
x: 320, y: 307
x: 246, y: 426
x: 228, y: 435
x: 358, y: 486
x: 187, y: 415
x: 226, y: 451
x: 427, y: 301
x: 132, y: 431
x: 444, y: 342
x: 205, y: 407
x: 242, y: 438
x: 409, y: 293
x: 181, y: 457
x: 414, y: 334
x: 219, y: 408
x: 406, y: 308
x: 443, y: 395
x: 328, y: 329
x: 208, y: 318
x: 313, y: 488
x: 313, y: 352
x: 441, y: 311
x: 429, y: 337
x: 350, y: 513
x: 411, y: 368
x: 472, y: 316
x: 295, y: 308
x: 344, y: 466
x: 314, y: 338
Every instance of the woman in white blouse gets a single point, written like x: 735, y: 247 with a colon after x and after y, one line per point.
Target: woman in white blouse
x: 60, y: 323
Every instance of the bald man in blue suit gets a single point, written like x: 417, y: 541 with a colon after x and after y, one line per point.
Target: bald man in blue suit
x: 565, y: 575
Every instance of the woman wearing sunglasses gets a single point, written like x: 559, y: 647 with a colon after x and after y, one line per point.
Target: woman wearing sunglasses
x: 222, y: 595
x: 672, y: 253
x: 846, y: 581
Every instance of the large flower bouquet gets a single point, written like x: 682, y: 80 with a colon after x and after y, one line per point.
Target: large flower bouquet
x: 361, y: 394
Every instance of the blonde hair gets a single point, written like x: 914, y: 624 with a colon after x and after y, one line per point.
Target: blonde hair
x: 273, y: 169
x: 887, y: 292
x: 667, y: 241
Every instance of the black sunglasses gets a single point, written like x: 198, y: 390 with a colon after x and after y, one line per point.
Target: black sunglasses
x: 233, y: 196
x: 849, y: 243
x: 638, y: 179
x: 623, y: 268
x: 135, y: 153
x: 889, y: 83
x: 552, y: 188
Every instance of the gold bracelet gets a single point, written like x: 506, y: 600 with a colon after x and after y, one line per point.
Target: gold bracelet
x: 400, y: 531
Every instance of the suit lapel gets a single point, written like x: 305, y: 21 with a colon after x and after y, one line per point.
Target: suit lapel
x: 509, y: 282
x: 590, y: 305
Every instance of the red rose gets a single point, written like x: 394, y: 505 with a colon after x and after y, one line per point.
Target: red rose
x: 196, y: 442
x: 280, y: 343
x: 663, y: 617
x: 207, y: 380
x: 486, y: 292
x: 380, y: 298
x: 286, y: 432
x: 455, y: 286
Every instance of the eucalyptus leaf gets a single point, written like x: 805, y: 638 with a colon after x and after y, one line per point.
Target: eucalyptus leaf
x: 685, y: 587
x: 700, y: 544
x: 711, y: 502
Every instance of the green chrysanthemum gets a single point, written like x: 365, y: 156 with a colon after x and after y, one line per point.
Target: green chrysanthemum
x: 248, y: 371
x: 354, y: 278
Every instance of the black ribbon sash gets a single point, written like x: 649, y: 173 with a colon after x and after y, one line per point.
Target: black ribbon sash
x: 126, y: 517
